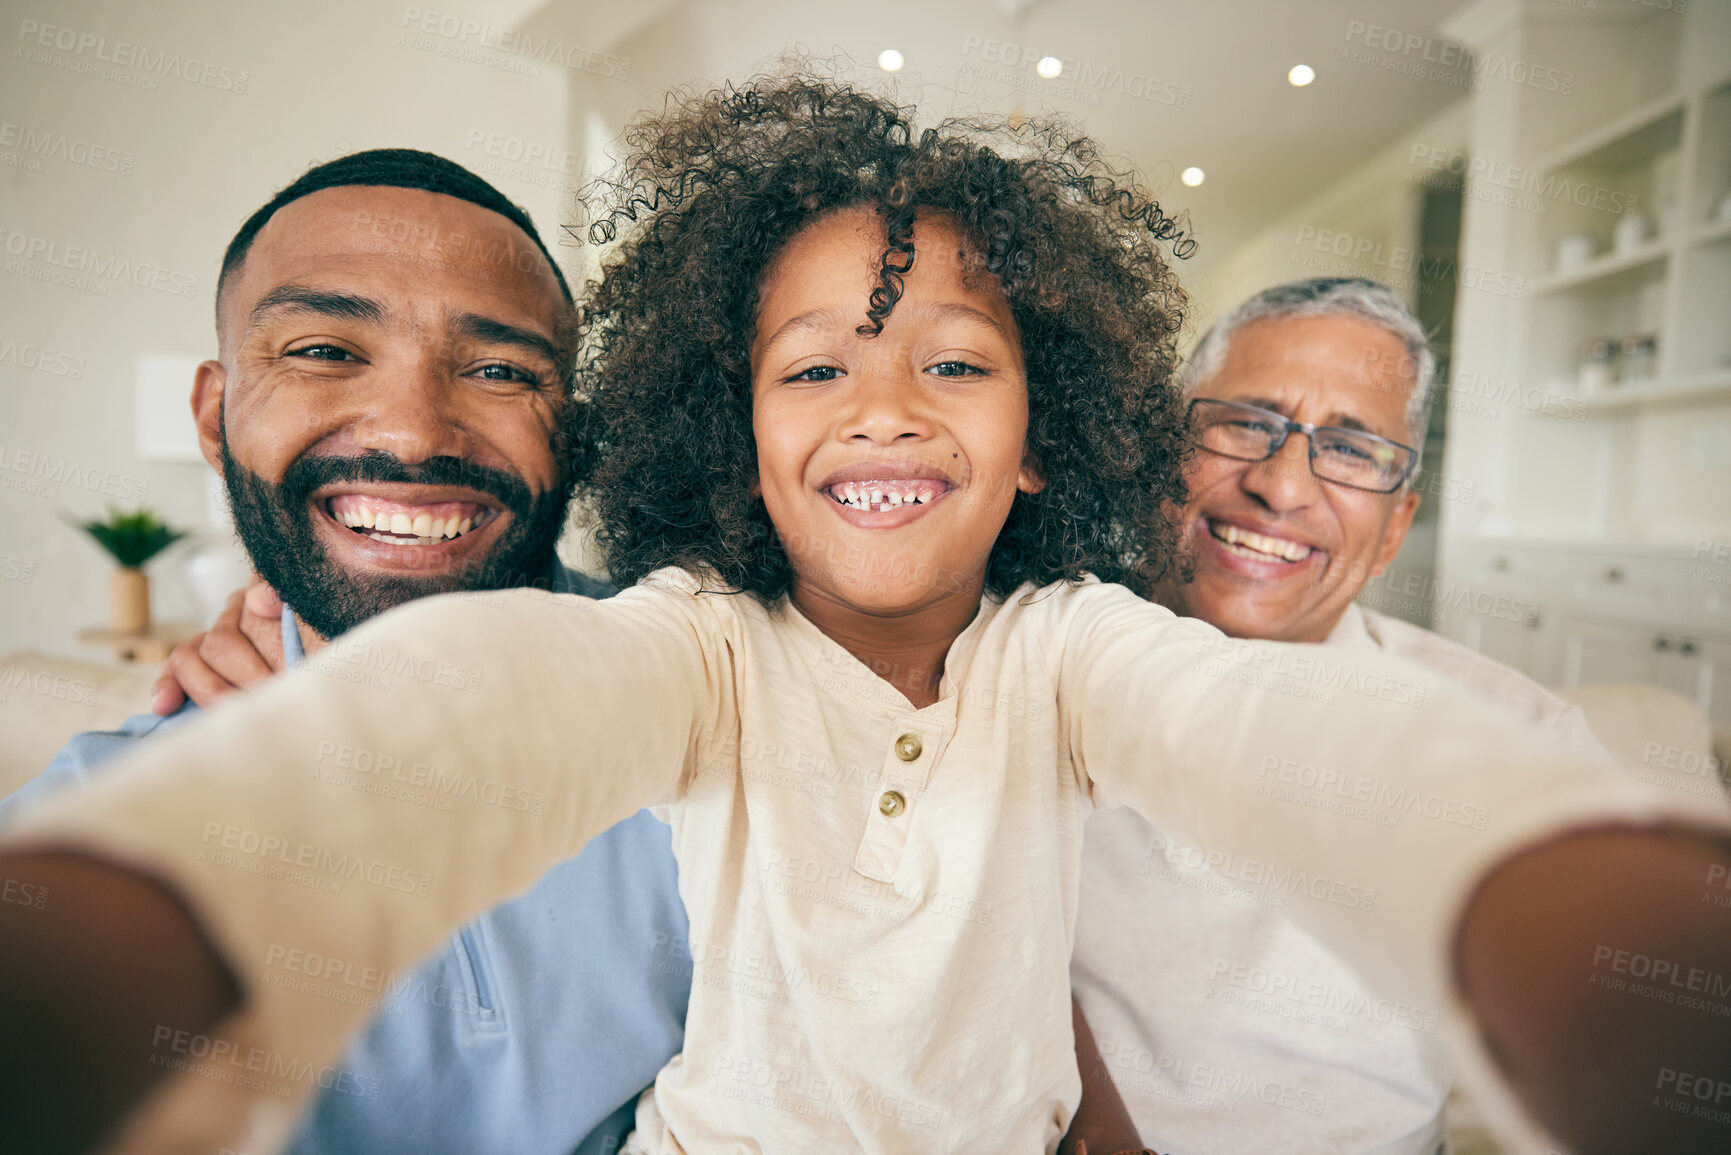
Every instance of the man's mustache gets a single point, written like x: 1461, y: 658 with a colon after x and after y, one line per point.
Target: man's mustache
x: 307, y: 474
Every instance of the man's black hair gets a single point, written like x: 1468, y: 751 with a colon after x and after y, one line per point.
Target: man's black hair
x: 386, y: 168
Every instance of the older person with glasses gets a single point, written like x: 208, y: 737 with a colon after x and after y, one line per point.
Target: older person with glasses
x: 1308, y: 404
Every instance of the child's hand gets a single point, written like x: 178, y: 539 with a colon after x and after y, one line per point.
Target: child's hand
x: 1594, y: 1056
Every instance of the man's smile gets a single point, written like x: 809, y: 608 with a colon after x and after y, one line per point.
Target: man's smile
x: 1259, y: 547
x: 406, y: 524
x: 401, y: 524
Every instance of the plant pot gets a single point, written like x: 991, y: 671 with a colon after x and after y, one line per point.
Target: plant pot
x: 129, y: 601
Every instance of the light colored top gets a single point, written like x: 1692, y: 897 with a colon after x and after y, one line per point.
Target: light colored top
x: 1226, y: 1025
x: 882, y: 897
x: 1486, y: 677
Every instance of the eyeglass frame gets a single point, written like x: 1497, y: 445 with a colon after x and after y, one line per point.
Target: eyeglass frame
x: 1289, y: 427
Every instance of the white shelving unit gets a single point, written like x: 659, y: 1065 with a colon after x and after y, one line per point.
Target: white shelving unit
x: 1606, y: 525
x: 1668, y: 161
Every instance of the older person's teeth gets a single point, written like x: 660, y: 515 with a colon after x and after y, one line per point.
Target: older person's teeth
x: 422, y: 525
x: 465, y: 525
x: 399, y: 524
x: 436, y: 530
x: 1248, y: 543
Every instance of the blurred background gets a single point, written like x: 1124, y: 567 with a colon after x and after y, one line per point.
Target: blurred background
x: 1547, y: 182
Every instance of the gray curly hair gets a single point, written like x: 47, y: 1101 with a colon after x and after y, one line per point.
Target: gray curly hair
x: 1326, y: 297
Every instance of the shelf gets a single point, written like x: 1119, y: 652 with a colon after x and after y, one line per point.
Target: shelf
x: 1636, y: 136
x: 1696, y: 389
x: 1602, y: 268
x: 1711, y: 233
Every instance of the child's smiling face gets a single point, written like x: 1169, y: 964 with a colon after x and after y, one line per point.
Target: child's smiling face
x: 889, y: 463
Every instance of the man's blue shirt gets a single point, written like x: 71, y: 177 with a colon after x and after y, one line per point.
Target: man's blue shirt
x: 533, y: 1032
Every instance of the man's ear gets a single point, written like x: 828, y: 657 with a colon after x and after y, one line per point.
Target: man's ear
x: 208, y: 384
x: 1394, y: 534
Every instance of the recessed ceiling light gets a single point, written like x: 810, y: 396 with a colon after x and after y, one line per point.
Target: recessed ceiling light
x: 1192, y: 176
x: 1049, y: 67
x: 1301, y: 75
x: 890, y: 60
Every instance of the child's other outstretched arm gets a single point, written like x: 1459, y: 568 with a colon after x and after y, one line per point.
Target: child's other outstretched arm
x: 1482, y: 878
x: 432, y: 763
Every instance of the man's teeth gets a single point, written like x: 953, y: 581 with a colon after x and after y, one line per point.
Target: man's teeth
x: 1256, y: 546
x: 394, y: 527
x: 878, y: 496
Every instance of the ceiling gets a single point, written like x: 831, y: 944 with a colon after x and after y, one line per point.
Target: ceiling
x: 1221, y: 100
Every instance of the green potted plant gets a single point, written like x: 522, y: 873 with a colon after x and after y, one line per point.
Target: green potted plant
x: 131, y: 539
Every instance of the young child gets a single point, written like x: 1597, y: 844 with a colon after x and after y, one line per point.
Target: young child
x: 876, y: 419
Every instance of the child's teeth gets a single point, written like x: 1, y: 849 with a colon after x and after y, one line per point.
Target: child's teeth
x: 879, y: 499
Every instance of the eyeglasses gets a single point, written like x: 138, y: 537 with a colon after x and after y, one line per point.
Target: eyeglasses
x: 1348, y: 457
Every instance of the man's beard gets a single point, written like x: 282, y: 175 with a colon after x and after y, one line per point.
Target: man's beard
x: 275, y: 522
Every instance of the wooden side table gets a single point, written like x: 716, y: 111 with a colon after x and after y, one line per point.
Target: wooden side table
x: 153, y: 645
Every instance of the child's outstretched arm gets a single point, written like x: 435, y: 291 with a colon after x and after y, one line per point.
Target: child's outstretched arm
x: 1101, y: 1124
x: 1488, y: 882
x: 428, y: 765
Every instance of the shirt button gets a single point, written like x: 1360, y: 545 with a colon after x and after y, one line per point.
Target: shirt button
x: 892, y: 803
x: 908, y: 747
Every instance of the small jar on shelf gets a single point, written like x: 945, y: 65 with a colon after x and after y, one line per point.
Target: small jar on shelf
x: 1595, y: 371
x: 1638, y: 359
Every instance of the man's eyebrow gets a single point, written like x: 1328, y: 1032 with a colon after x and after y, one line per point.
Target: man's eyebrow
x: 322, y: 302
x: 1339, y: 419
x: 490, y: 331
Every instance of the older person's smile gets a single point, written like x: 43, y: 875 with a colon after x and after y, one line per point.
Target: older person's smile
x: 1243, y: 542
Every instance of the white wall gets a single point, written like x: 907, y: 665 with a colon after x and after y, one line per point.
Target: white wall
x: 1370, y: 215
x: 288, y: 85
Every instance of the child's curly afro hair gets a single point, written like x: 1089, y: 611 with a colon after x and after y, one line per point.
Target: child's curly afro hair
x: 718, y: 182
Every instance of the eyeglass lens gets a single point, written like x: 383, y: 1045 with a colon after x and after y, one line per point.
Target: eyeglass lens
x: 1361, y: 460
